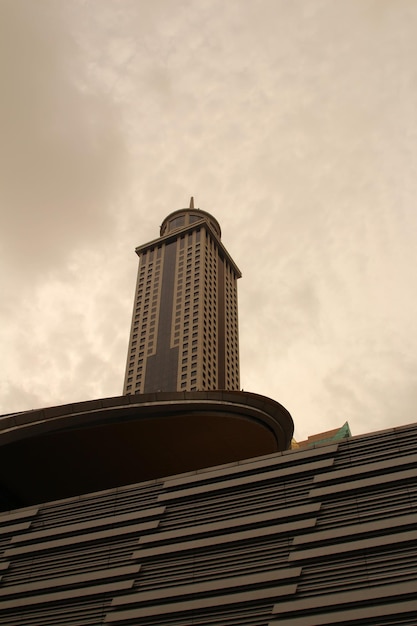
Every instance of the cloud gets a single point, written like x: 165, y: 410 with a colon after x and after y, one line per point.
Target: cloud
x: 62, y: 151
x: 378, y: 387
x: 291, y: 122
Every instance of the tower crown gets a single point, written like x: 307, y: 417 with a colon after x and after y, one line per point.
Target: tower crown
x: 185, y: 217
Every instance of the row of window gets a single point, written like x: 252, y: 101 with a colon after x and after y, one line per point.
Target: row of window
x: 144, y: 323
x: 187, y: 305
x: 189, y: 376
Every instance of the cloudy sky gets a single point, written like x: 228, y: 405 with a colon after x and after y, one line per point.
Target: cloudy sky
x: 294, y: 123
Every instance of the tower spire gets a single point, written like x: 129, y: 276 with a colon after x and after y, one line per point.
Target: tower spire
x: 192, y: 202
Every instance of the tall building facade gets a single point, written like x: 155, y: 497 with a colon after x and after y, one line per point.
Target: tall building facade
x: 184, y: 332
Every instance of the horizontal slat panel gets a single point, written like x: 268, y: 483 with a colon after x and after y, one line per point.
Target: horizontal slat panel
x: 389, y: 565
x: 224, y: 560
x: 368, y: 468
x: 65, y: 581
x: 247, y: 520
x: 202, y: 603
x: 97, y: 505
x: 353, y: 615
x: 243, y: 535
x: 70, y: 559
x: 351, y: 546
x: 87, y: 611
x: 95, y: 523
x: 61, y: 596
x: 357, y: 529
x: 362, y: 484
x: 6, y: 518
x: 214, y: 585
x: 90, y: 537
x: 354, y: 507
x: 14, y: 528
x: 218, y: 505
x: 294, y: 457
x: 368, y: 594
x: 247, y: 480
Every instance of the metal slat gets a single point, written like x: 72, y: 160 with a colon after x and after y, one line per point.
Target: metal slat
x: 246, y: 480
x: 89, y: 537
x: 250, y: 466
x: 343, y: 532
x: 373, y: 481
x: 61, y: 596
x: 219, y: 584
x: 11, y: 516
x: 235, y: 522
x: 210, y: 542
x: 65, y: 581
x: 95, y: 523
x: 202, y: 603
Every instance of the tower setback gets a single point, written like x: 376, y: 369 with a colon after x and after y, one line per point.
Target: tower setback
x: 184, y: 332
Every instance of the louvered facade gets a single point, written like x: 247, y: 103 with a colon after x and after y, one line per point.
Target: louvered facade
x: 308, y: 537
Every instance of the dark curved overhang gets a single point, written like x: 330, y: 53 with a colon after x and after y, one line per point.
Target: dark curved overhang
x: 64, y: 451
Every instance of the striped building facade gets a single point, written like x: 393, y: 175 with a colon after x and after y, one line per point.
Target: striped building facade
x: 310, y: 537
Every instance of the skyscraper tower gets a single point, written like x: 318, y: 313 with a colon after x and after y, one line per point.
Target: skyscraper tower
x: 184, y: 333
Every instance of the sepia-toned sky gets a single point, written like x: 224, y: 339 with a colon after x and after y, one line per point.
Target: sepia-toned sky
x: 293, y: 123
